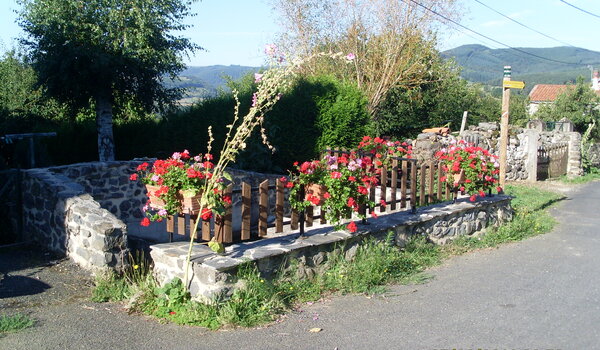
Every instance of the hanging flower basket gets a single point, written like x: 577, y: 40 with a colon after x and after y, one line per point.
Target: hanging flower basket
x: 189, y: 203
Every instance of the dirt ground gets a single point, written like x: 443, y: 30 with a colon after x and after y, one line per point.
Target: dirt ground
x: 31, y: 278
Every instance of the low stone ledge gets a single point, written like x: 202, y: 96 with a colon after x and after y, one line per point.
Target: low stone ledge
x: 212, y: 275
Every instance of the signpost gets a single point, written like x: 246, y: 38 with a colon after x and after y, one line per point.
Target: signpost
x: 507, y: 84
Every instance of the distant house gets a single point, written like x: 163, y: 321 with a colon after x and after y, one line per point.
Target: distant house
x: 547, y: 93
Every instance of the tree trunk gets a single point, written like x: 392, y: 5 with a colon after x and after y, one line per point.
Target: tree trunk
x: 104, y: 125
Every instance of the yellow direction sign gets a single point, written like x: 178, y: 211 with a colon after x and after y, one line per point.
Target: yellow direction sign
x: 511, y: 84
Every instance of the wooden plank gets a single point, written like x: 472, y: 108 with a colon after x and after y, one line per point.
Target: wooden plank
x: 295, y: 219
x: 206, y: 236
x: 431, y: 183
x: 394, y: 184
x: 403, y: 182
x: 219, y: 228
x: 322, y: 215
x: 193, y: 219
x: 246, y: 210
x: 413, y: 185
x: 279, y: 197
x: 227, y: 218
x: 309, y: 216
x: 383, y: 189
x: 423, y: 177
x: 439, y: 181
x: 181, y: 225
x: 263, y: 207
x: 170, y: 224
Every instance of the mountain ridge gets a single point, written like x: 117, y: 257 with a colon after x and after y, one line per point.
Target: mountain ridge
x: 485, y: 65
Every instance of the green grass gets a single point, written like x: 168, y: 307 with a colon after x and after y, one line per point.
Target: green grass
x: 374, y: 265
x: 590, y: 175
x: 14, y: 323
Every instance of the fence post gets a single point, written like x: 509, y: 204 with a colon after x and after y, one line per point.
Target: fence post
x: 531, y: 161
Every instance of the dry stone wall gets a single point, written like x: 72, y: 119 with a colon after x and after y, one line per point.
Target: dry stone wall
x: 521, y: 151
x: 214, y: 275
x: 60, y: 215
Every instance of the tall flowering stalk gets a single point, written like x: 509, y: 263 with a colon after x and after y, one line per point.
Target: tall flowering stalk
x: 271, y: 84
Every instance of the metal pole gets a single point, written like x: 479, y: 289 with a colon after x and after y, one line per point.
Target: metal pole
x: 504, y: 126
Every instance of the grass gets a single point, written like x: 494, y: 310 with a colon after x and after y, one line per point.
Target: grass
x: 14, y: 323
x: 590, y: 175
x: 375, y: 264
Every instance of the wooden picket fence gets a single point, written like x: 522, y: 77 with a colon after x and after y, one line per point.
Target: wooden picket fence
x: 404, y: 186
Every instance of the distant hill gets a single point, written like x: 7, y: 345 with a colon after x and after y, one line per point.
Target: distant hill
x: 484, y: 65
x: 202, y: 82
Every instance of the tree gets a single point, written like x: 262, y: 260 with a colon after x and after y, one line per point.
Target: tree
x: 391, y: 40
x: 93, y: 52
x: 579, y: 104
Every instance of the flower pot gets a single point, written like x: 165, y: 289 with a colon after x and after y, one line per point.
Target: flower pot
x: 460, y: 177
x: 316, y: 190
x: 187, y: 204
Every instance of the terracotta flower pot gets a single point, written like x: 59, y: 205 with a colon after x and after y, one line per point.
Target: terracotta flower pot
x: 460, y: 177
x: 188, y: 204
x: 316, y: 190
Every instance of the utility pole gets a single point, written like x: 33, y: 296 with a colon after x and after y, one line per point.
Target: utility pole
x: 504, y: 125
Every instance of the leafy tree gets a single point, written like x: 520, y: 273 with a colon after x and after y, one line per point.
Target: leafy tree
x: 441, y: 101
x: 578, y: 104
x: 392, y: 40
x: 102, y: 50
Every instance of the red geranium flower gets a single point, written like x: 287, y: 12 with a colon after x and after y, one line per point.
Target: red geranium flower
x: 145, y: 222
x: 352, y: 227
x: 206, y: 214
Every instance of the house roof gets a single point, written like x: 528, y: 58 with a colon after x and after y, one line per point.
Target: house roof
x: 547, y: 92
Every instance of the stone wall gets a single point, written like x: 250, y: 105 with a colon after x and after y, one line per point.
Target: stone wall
x: 87, y: 211
x: 213, y: 275
x: 522, y: 147
x: 61, y: 216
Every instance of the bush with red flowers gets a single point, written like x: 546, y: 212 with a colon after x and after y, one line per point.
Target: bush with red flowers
x: 383, y: 150
x: 345, y: 181
x: 479, y: 167
x: 176, y: 177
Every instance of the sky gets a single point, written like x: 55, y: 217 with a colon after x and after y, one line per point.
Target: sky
x: 236, y: 31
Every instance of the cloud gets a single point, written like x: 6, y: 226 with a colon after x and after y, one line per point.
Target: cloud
x: 520, y: 14
x: 493, y: 23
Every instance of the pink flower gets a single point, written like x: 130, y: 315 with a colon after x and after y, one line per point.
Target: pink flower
x: 473, y: 198
x: 336, y: 175
x: 271, y: 50
x: 258, y: 77
x: 133, y: 177
x: 350, y: 57
x: 254, y: 99
x: 162, y: 212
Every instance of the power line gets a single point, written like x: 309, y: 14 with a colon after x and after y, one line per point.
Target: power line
x: 523, y: 25
x: 580, y: 9
x: 487, y: 37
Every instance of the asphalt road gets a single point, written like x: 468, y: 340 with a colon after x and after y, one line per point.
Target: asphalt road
x: 542, y: 293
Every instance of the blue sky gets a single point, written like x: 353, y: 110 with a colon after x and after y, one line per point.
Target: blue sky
x: 235, y: 31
